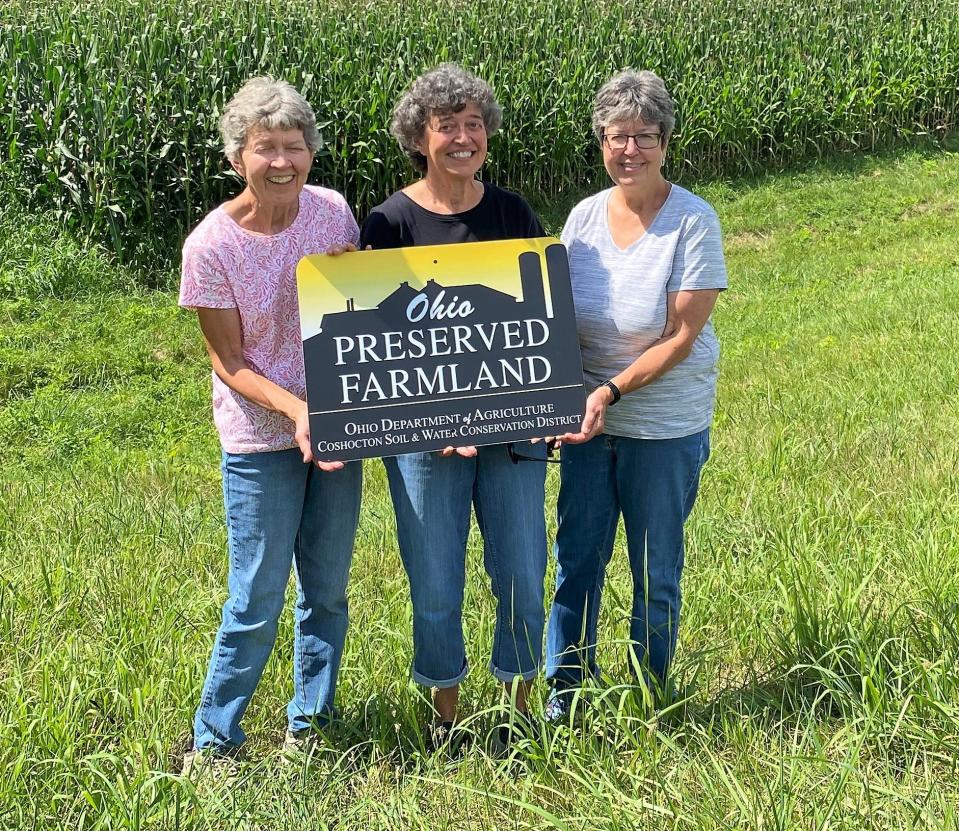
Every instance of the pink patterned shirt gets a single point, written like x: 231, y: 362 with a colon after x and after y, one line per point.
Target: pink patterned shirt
x: 226, y: 267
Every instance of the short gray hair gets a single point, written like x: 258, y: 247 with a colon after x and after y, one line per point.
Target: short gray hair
x: 264, y: 102
x: 634, y: 96
x: 446, y: 89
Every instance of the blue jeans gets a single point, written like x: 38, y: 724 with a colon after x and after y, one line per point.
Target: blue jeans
x: 280, y: 510
x: 653, y: 483
x: 431, y: 497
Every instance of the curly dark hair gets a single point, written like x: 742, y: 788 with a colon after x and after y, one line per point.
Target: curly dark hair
x: 446, y: 89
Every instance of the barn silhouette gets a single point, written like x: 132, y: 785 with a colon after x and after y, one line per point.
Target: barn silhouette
x: 488, y: 304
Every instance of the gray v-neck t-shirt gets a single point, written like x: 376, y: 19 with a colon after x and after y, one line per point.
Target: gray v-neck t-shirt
x: 620, y: 300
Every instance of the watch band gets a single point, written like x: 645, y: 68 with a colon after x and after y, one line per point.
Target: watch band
x: 614, y: 390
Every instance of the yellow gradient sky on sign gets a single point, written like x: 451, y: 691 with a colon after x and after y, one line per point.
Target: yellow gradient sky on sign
x: 326, y: 283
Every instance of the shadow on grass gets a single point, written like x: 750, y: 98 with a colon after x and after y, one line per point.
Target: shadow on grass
x: 835, y: 164
x: 553, y: 210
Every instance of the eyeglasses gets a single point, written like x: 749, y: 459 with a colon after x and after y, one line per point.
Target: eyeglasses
x: 644, y: 141
x: 516, y: 458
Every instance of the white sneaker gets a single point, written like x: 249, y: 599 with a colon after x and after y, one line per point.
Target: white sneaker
x: 301, y: 744
x: 222, y: 766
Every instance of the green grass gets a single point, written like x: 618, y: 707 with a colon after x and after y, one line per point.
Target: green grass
x: 820, y: 638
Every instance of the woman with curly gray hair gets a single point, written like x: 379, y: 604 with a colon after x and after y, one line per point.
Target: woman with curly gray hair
x: 443, y: 122
x: 282, y: 506
x: 646, y: 264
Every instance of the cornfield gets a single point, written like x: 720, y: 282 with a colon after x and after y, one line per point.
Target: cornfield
x: 109, y: 109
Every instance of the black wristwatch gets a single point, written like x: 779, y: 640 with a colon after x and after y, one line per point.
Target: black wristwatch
x: 614, y: 390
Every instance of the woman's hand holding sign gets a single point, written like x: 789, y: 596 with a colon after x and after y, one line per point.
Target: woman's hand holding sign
x: 594, y: 419
x: 301, y: 419
x: 467, y: 452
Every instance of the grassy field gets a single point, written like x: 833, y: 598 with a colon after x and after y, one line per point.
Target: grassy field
x: 820, y: 639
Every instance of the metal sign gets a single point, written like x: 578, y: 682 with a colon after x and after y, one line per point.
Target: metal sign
x: 415, y: 349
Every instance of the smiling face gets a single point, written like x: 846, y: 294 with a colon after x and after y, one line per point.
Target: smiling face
x: 633, y: 166
x: 454, y: 144
x: 275, y: 164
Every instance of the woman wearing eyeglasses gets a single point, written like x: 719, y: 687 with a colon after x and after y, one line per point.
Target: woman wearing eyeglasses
x: 646, y: 264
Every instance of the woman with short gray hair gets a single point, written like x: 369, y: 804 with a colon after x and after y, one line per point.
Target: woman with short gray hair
x: 282, y: 506
x: 443, y: 122
x: 265, y: 103
x: 646, y: 264
x: 634, y: 95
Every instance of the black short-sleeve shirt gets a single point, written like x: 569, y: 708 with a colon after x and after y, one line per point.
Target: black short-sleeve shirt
x: 500, y: 214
